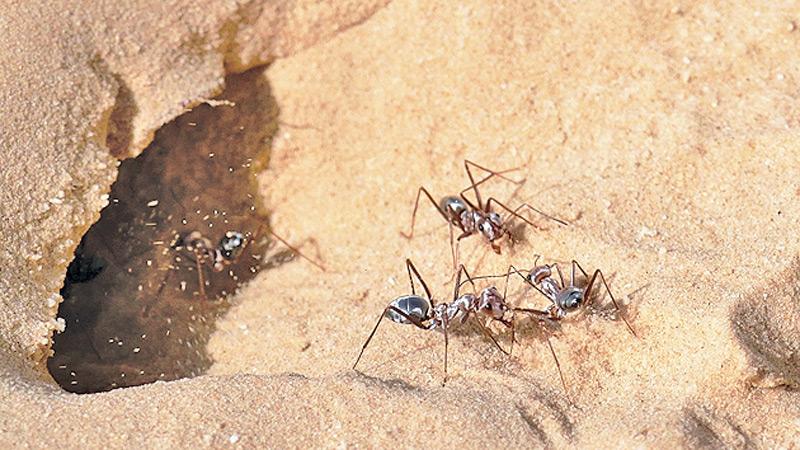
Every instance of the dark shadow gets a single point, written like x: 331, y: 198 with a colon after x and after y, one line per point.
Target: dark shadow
x: 767, y: 325
x: 704, y: 429
x: 120, y: 123
x: 132, y: 305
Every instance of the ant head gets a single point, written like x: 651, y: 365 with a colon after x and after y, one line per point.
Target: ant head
x: 231, y: 245
x: 453, y: 207
x: 492, y: 303
x: 411, y: 305
x: 570, y: 299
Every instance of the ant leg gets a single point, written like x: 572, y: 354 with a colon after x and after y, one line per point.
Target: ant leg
x: 514, y: 213
x: 558, y: 366
x: 495, y: 173
x: 533, y: 285
x: 413, y: 320
x: 453, y: 248
x: 474, y: 185
x: 588, y: 292
x: 201, y: 279
x: 458, y: 284
x: 490, y: 336
x: 409, y: 268
x: 553, y: 218
x: 561, y: 276
x: 444, y: 327
x: 294, y: 250
x: 421, y: 191
x: 534, y: 312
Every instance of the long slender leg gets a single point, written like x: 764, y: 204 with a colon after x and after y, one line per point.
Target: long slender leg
x: 561, y: 275
x: 490, y: 336
x: 468, y: 163
x: 510, y: 211
x: 534, y: 312
x: 532, y: 284
x: 410, y: 268
x: 548, y: 216
x: 588, y: 292
x: 492, y: 174
x: 452, y: 246
x: 480, y: 182
x: 444, y: 328
x: 296, y: 251
x: 412, y: 320
x: 495, y: 173
x: 421, y: 191
x: 558, y: 366
x: 457, y: 286
x: 513, y: 316
x: 201, y: 278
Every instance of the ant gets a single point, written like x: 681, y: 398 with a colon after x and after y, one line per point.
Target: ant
x: 225, y: 253
x: 565, y: 298
x: 423, y: 313
x: 479, y: 217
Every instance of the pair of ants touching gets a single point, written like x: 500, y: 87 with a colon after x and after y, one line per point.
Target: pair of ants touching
x: 564, y: 297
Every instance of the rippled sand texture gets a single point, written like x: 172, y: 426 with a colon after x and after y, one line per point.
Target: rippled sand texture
x: 667, y: 136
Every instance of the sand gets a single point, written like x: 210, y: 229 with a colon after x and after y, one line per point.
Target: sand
x: 665, y: 134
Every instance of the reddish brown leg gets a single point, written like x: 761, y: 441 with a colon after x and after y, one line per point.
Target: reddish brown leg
x: 296, y: 251
x: 588, y: 292
x: 548, y: 216
x: 457, y: 287
x: 561, y: 276
x: 201, y: 278
x: 421, y: 191
x: 414, y: 321
x: 446, y: 341
x: 474, y: 185
x: 410, y: 268
x: 489, y: 334
x: 558, y: 366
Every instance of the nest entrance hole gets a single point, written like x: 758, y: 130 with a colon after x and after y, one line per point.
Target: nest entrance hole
x: 133, y: 306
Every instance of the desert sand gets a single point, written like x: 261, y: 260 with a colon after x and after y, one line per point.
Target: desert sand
x: 665, y: 134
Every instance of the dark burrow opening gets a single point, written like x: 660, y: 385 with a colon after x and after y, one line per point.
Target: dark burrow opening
x: 133, y: 306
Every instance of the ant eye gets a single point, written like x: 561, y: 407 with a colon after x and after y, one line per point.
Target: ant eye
x: 574, y: 301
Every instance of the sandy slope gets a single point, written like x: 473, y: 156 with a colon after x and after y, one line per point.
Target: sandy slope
x: 665, y: 134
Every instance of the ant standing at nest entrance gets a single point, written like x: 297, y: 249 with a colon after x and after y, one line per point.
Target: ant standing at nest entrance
x: 425, y: 314
x: 478, y: 217
x: 225, y: 253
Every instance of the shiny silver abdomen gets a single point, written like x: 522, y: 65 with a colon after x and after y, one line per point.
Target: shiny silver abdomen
x: 453, y: 208
x: 413, y: 305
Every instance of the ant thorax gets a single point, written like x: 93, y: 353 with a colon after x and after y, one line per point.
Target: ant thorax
x: 489, y: 225
x: 542, y: 277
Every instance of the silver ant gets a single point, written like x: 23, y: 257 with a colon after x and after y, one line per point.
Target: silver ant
x: 479, y: 217
x: 226, y: 252
x: 425, y: 314
x: 565, y: 297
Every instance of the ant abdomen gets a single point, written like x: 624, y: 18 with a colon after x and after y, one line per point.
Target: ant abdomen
x: 453, y: 207
x: 412, y: 305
